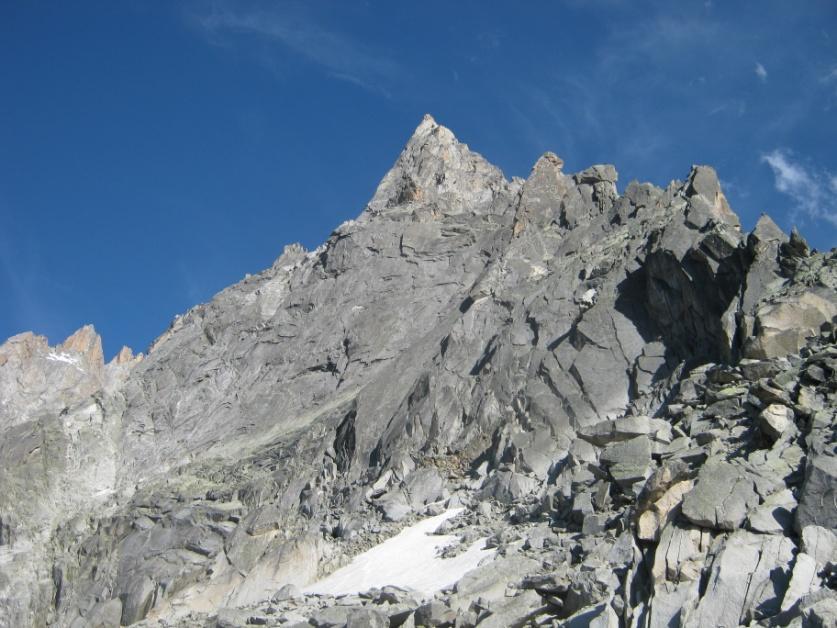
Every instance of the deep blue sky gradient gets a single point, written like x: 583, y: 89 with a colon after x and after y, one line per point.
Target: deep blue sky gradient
x: 153, y: 152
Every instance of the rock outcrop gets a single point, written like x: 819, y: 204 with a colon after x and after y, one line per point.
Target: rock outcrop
x: 632, y: 400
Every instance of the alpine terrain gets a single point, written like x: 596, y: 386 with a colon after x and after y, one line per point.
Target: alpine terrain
x: 482, y: 402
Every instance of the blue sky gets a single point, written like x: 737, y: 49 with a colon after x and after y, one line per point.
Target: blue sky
x: 153, y: 152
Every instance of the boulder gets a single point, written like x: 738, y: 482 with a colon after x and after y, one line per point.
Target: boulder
x: 629, y: 461
x: 395, y: 505
x: 434, y: 613
x: 804, y: 580
x: 775, y: 515
x: 137, y: 598
x: 748, y: 578
x: 424, y: 486
x: 680, y: 554
x: 105, y: 614
x: 508, y: 487
x: 516, y: 610
x: 598, y: 616
x: 818, y: 503
x: 776, y: 420
x: 367, y: 618
x: 331, y: 617
x: 782, y: 328
x: 821, y: 544
x: 614, y: 430
x: 662, y: 511
x: 672, y: 602
x: 722, y: 496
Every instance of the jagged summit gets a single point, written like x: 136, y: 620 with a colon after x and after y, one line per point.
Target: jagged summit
x: 436, y: 169
x: 620, y: 401
x: 548, y: 160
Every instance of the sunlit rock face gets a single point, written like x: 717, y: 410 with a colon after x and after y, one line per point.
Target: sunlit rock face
x: 622, y: 396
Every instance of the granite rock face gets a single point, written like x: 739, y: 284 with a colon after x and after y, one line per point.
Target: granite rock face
x: 632, y: 400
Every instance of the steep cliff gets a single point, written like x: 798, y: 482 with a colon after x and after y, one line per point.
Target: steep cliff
x: 631, y: 399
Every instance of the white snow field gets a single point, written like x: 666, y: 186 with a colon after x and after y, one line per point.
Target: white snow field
x: 409, y: 559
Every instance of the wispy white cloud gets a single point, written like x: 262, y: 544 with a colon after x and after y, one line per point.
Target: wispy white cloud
x: 813, y: 192
x: 660, y: 41
x: 731, y: 187
x: 761, y: 72
x: 285, y: 26
x: 829, y: 84
x: 735, y: 107
x: 565, y: 108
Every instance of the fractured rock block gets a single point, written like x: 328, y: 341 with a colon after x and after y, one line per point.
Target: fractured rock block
x: 722, y: 496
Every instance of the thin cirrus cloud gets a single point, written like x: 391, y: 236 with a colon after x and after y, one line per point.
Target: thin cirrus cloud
x: 761, y: 72
x: 814, y: 193
x: 338, y: 55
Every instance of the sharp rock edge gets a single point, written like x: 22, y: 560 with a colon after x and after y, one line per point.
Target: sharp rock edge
x: 627, y: 402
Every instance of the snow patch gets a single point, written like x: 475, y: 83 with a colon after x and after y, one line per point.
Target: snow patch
x: 588, y: 298
x: 409, y: 559
x: 537, y: 271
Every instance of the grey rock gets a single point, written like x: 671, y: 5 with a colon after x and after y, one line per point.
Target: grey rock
x: 775, y: 515
x: 600, y: 616
x: 106, y: 614
x: 680, y: 554
x: 635, y: 450
x: 593, y: 524
x: 508, y: 487
x: 332, y: 617
x: 722, y: 496
x: 434, y: 613
x: 804, y: 580
x: 758, y: 369
x: 621, y: 429
x: 672, y: 603
x: 286, y: 592
x: 781, y: 327
x: 367, y: 618
x: 490, y: 582
x: 395, y: 506
x: 517, y: 610
x: 747, y: 580
x: 822, y: 613
x: 818, y: 502
x: 137, y: 599
x: 775, y: 420
x: 821, y: 544
x: 423, y: 486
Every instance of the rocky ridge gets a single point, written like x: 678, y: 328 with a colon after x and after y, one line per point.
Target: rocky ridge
x: 632, y: 400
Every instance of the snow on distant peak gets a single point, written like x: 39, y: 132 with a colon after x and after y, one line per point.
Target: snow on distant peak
x: 66, y: 358
x: 55, y: 356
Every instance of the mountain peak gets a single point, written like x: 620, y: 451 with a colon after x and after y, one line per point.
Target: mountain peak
x: 427, y: 122
x: 436, y: 169
x: 431, y: 132
x: 547, y: 359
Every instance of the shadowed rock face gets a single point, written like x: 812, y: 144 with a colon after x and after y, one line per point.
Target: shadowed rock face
x: 570, y: 355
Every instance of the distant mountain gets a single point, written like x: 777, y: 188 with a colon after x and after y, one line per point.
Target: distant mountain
x: 619, y: 408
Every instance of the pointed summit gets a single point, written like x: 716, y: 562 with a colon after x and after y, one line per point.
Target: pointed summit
x: 86, y: 342
x: 437, y: 169
x: 432, y: 134
x: 428, y: 122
